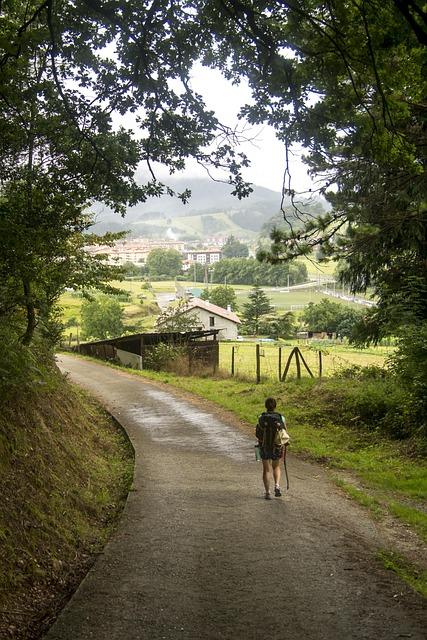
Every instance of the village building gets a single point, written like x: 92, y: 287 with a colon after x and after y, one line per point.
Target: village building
x: 210, y: 317
x: 135, y: 251
x: 201, y: 256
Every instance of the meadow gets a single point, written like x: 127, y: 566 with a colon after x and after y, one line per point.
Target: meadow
x: 140, y: 313
x: 335, y: 357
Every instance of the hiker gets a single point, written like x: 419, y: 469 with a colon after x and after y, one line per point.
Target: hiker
x: 271, y: 445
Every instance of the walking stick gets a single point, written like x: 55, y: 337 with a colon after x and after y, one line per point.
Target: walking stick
x: 284, y: 463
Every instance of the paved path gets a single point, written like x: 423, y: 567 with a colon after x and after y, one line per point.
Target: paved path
x: 199, y: 554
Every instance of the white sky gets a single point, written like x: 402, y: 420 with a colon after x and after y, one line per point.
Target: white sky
x: 266, y: 153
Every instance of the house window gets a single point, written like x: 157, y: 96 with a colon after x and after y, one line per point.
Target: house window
x: 211, y: 321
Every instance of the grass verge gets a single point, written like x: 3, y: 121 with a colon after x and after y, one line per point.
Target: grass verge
x: 405, y: 570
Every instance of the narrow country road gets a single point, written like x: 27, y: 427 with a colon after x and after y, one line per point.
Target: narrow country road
x: 199, y: 554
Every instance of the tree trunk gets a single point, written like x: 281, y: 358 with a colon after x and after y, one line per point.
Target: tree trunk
x: 31, y: 314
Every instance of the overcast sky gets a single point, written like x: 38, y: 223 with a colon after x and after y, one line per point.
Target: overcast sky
x: 266, y: 153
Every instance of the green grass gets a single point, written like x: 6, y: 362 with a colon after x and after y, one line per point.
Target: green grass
x: 405, y: 570
x: 335, y: 357
x: 65, y: 474
x: 360, y: 496
x: 412, y: 517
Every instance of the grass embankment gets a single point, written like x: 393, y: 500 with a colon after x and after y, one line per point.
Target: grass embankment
x: 65, y: 471
x: 346, y: 425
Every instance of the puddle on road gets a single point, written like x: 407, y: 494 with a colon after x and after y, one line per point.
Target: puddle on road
x: 174, y: 422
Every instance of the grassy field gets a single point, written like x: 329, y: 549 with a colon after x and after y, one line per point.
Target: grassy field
x: 292, y: 300
x: 335, y: 356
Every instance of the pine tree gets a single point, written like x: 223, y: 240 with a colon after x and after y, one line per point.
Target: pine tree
x: 258, y: 306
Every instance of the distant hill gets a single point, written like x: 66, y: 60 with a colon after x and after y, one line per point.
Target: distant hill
x: 211, y: 211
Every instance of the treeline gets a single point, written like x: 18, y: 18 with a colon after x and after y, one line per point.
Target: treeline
x: 250, y: 271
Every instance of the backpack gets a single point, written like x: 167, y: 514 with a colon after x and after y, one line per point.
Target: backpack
x: 271, y: 431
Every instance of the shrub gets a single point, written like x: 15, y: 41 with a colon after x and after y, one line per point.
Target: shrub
x: 409, y: 366
x: 163, y: 357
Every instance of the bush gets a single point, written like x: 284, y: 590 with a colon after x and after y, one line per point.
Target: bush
x: 409, y: 366
x: 164, y: 357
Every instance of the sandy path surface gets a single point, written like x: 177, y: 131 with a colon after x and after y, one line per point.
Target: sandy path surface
x: 199, y: 554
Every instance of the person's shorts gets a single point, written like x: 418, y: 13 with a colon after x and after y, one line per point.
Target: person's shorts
x: 274, y: 454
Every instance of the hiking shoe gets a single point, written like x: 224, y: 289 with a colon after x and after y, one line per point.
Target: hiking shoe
x: 267, y: 496
x: 277, y: 492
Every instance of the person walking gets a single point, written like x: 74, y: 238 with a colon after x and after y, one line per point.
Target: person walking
x: 271, y: 445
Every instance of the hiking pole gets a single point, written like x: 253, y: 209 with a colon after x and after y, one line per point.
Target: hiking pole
x: 284, y: 464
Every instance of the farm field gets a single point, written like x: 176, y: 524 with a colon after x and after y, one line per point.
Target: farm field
x: 141, y: 313
x: 292, y: 300
x: 335, y: 356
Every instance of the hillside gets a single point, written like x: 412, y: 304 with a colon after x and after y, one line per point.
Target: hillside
x: 211, y: 211
x: 65, y: 470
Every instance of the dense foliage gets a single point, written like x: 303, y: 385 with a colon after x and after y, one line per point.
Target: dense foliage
x: 258, y: 305
x: 164, y: 263
x: 221, y: 295
x: 251, y: 271
x: 102, y: 318
x: 233, y: 248
x: 70, y: 73
x: 348, y: 81
x: 331, y: 317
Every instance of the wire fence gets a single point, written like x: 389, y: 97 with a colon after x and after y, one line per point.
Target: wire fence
x: 275, y: 362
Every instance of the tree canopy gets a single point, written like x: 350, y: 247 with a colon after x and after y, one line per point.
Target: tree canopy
x: 331, y: 317
x: 251, y: 271
x: 102, y: 318
x: 258, y: 305
x: 233, y: 248
x: 221, y: 295
x: 164, y: 262
x: 346, y: 80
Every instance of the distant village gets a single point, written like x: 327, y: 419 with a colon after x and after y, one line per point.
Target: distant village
x: 137, y: 250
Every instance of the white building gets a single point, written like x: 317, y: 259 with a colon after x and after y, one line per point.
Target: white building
x: 135, y: 251
x: 201, y: 256
x: 211, y: 316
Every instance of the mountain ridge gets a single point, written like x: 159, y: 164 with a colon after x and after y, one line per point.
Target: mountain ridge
x: 211, y: 211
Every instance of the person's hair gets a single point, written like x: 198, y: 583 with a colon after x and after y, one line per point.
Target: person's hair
x: 270, y: 404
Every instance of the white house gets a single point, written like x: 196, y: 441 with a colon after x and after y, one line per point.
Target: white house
x: 211, y: 316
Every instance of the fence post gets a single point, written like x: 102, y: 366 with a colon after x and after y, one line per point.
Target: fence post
x: 288, y: 364
x: 232, y: 361
x: 258, y: 365
x: 297, y: 362
x: 69, y: 339
x: 280, y: 363
x: 320, y: 364
x: 304, y: 362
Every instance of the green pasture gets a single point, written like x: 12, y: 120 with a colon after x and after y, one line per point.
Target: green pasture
x: 292, y: 300
x: 334, y: 357
x: 200, y: 225
x: 281, y: 300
